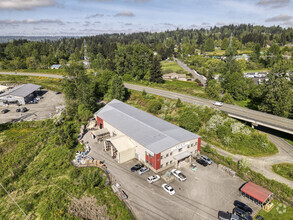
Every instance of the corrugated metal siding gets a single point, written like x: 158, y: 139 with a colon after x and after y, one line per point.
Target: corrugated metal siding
x: 126, y: 155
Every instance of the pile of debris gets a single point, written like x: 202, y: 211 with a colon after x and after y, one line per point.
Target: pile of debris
x: 120, y: 193
x: 227, y: 170
x: 87, y: 208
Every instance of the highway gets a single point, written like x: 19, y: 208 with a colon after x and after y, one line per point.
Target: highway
x: 252, y: 116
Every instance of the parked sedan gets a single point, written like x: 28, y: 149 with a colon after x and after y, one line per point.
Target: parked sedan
x: 169, y: 189
x: 153, y: 179
x: 180, y: 176
x: 4, y: 111
x: 143, y: 170
x: 136, y: 167
x: 207, y: 159
x: 243, y: 206
x: 202, y: 162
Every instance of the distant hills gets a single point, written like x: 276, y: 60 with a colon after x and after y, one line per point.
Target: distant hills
x: 4, y: 39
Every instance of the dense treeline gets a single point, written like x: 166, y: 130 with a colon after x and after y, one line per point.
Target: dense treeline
x: 21, y: 54
x: 137, y: 57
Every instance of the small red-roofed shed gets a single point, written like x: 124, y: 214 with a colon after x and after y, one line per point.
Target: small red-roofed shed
x: 257, y: 193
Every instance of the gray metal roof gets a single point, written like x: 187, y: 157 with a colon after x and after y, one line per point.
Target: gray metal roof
x: 151, y: 132
x: 22, y: 90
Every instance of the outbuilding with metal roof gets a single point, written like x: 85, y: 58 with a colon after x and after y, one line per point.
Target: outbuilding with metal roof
x: 21, y: 94
x: 256, y: 193
x: 157, y: 142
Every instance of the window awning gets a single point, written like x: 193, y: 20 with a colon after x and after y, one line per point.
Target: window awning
x: 182, y: 155
x: 121, y: 143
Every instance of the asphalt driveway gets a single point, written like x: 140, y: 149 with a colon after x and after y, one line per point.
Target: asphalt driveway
x: 206, y: 190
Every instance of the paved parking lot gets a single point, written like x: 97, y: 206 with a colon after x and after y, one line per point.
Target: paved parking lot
x: 45, y: 108
x: 206, y: 190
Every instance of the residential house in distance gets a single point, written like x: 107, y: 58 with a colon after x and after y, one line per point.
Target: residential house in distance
x: 170, y: 76
x: 56, y: 66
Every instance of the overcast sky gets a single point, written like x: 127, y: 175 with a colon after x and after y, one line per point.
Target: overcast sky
x: 91, y: 17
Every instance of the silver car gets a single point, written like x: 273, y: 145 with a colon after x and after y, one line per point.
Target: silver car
x: 206, y: 159
x: 143, y: 170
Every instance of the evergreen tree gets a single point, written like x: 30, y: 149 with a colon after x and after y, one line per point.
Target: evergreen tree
x: 116, y: 89
x: 209, y: 45
x: 213, y: 89
x: 156, y: 71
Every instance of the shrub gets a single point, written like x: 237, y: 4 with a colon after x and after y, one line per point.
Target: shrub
x: 154, y: 106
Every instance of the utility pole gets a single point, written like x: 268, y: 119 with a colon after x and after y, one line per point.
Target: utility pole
x: 231, y: 38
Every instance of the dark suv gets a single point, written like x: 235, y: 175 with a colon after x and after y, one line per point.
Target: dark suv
x: 202, y: 162
x: 136, y: 167
x: 243, y: 206
x: 242, y: 214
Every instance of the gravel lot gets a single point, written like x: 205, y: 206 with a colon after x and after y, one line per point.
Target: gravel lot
x: 40, y: 111
x: 201, y: 196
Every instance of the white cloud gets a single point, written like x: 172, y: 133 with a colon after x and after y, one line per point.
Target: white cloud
x: 273, y: 3
x: 25, y: 4
x: 30, y: 21
x: 279, y: 18
x: 124, y: 14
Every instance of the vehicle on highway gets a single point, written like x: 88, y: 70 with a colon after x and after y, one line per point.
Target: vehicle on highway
x: 136, y: 167
x: 23, y: 109
x: 180, y: 176
x: 218, y: 104
x: 18, y: 110
x: 242, y: 214
x: 227, y: 216
x: 202, y: 162
x: 57, y: 93
x: 243, y: 206
x: 153, y: 179
x: 4, y: 111
x: 143, y: 170
x: 207, y: 159
x: 169, y: 189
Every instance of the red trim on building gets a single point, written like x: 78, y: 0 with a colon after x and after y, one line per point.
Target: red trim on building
x: 100, y: 123
x: 198, y: 144
x: 154, y: 160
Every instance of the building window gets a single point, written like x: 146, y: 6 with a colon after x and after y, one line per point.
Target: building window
x: 161, y: 157
x: 171, y: 161
x: 151, y: 164
x: 180, y: 149
x: 167, y: 163
x: 171, y: 153
x: 161, y: 165
x: 187, y: 146
x: 167, y: 155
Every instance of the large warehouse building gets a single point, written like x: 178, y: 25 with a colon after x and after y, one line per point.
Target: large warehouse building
x: 20, y: 94
x: 137, y: 134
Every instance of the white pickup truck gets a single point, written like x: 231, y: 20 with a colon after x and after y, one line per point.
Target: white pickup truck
x: 178, y: 175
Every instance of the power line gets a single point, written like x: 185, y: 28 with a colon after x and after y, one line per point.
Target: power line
x: 51, y: 182
x: 14, y: 201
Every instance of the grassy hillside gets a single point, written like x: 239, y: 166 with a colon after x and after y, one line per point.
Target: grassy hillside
x: 48, y: 83
x: 284, y: 170
x: 35, y: 169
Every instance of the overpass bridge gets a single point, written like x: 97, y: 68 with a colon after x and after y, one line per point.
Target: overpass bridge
x: 254, y: 117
